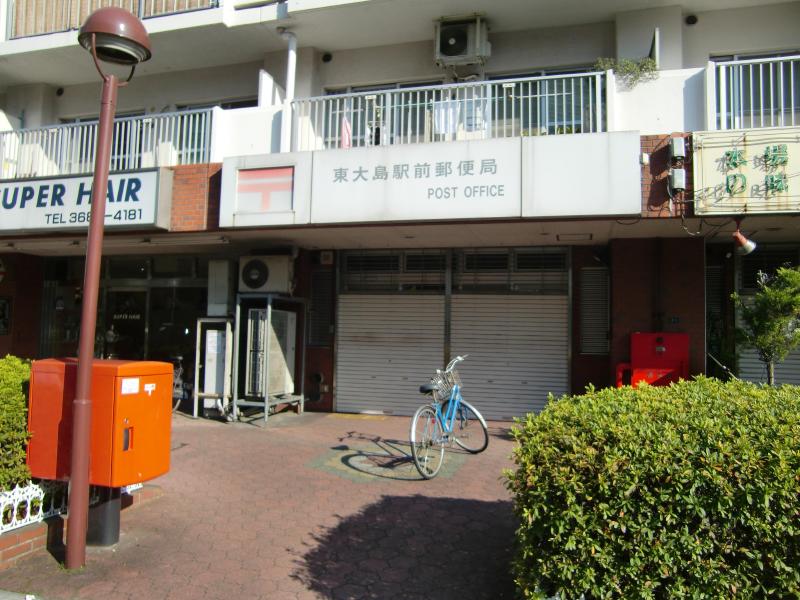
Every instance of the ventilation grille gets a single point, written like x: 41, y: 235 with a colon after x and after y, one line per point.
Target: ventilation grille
x: 594, y: 306
x: 412, y: 271
x: 320, y: 321
x: 541, y: 271
x: 766, y: 260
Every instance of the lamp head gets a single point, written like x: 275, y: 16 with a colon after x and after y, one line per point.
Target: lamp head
x: 119, y: 36
x: 743, y: 245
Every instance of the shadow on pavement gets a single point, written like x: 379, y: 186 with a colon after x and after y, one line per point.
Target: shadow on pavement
x: 415, y: 547
x: 389, y: 458
x: 501, y: 433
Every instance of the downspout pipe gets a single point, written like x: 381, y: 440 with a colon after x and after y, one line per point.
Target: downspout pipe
x: 291, y: 71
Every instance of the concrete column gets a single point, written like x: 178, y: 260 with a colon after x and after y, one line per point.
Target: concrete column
x: 635, y: 31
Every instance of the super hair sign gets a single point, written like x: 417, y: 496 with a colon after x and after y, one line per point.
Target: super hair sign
x: 66, y: 203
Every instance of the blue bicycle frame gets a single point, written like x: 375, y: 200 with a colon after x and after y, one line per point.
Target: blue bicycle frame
x: 448, y: 419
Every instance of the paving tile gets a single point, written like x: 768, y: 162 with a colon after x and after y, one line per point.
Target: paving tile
x: 306, y: 508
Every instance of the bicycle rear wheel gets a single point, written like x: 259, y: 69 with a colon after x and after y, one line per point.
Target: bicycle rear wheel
x: 427, y: 447
x: 469, y: 429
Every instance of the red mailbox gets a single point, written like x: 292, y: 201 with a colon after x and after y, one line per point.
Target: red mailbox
x: 131, y: 420
x: 656, y: 358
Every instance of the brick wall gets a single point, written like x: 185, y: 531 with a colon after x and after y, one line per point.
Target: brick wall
x: 21, y: 543
x: 655, y: 196
x: 195, y: 197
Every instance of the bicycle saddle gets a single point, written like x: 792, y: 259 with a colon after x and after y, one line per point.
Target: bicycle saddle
x: 427, y: 388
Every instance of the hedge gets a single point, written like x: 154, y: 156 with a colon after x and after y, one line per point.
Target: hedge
x: 14, y: 373
x: 687, y: 491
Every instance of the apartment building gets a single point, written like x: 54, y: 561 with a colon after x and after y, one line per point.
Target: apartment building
x: 380, y: 186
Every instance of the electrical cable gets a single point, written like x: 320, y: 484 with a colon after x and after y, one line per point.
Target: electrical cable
x: 686, y: 229
x: 724, y: 367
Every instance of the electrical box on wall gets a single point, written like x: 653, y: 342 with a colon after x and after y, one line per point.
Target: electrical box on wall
x: 677, y: 179
x: 677, y: 148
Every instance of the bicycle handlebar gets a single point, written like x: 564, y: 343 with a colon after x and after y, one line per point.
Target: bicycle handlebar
x: 451, y: 365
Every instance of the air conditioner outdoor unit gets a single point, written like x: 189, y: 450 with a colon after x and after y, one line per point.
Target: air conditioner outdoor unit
x: 265, y: 274
x: 462, y: 42
x: 275, y: 348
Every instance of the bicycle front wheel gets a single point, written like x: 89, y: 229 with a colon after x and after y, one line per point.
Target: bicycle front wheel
x: 469, y: 429
x: 427, y: 444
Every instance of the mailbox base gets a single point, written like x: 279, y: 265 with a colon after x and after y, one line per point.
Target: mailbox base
x: 103, y: 526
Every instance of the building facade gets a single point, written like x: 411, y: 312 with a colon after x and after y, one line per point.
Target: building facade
x: 366, y: 189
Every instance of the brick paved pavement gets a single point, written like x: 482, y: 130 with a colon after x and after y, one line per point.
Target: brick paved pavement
x: 314, y: 506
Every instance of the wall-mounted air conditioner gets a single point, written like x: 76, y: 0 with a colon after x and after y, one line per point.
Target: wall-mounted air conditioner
x: 266, y: 274
x: 461, y: 42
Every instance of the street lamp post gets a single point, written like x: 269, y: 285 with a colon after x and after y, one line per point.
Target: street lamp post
x: 112, y: 35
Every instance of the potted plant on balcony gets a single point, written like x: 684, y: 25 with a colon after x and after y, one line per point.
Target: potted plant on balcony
x: 629, y: 72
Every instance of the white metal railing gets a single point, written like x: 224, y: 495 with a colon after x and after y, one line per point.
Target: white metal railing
x: 37, y: 501
x: 141, y: 142
x: 31, y: 503
x: 548, y: 105
x: 36, y: 17
x: 758, y: 93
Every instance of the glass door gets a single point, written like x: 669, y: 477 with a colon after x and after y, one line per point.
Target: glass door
x: 125, y: 332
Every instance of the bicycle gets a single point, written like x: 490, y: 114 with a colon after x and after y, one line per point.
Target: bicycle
x: 447, y: 418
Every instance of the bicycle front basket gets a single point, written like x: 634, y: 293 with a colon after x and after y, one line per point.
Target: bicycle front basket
x: 453, y: 378
x: 442, y: 388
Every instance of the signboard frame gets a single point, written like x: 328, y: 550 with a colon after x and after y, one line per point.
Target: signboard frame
x: 63, y: 204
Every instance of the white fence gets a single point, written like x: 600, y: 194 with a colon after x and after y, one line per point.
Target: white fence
x: 758, y: 93
x: 138, y: 143
x: 31, y: 503
x: 36, y: 502
x: 36, y: 17
x: 549, y: 105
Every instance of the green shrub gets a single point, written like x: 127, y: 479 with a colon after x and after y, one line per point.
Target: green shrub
x: 629, y: 72
x: 690, y: 491
x: 14, y: 373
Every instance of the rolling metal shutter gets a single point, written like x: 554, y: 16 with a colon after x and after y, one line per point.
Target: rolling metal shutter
x: 752, y: 369
x: 518, y: 351
x: 767, y: 260
x: 387, y: 346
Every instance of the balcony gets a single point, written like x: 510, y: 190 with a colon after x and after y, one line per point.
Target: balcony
x: 36, y: 17
x: 757, y: 93
x: 549, y: 105
x: 138, y: 143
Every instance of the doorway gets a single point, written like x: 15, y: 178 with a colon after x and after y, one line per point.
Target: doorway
x: 125, y: 330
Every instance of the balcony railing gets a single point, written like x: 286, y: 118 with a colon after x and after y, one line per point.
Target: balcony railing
x: 36, y: 17
x: 138, y: 143
x: 758, y: 93
x: 549, y: 105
